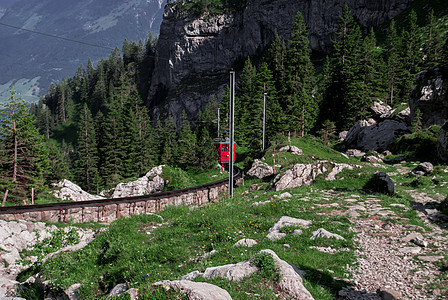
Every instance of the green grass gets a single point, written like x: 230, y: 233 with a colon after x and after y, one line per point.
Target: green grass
x: 140, y: 250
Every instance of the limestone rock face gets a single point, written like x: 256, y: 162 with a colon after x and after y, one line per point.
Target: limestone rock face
x: 430, y: 96
x: 70, y: 191
x: 195, y: 54
x: 305, y: 174
x: 148, y: 184
x: 231, y: 272
x: 260, y: 169
x: 372, y: 135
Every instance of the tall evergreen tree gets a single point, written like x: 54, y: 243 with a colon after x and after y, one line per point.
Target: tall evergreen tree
x: 344, y: 90
x: 86, y: 164
x: 393, y: 62
x: 23, y: 161
x: 302, y: 107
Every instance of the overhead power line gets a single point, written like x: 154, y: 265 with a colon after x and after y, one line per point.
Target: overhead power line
x: 67, y: 39
x: 56, y: 36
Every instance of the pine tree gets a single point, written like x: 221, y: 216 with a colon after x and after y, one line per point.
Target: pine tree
x: 168, y: 142
x: 24, y: 157
x: 246, y: 104
x: 276, y: 59
x: 341, y: 103
x: 86, y: 164
x: 186, y: 152
x: 393, y: 62
x: 411, y: 56
x: 302, y: 107
x: 434, y: 44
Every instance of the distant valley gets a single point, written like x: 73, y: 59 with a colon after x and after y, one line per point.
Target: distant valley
x: 32, y: 61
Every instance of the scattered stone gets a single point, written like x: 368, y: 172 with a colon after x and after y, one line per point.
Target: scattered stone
x: 261, y: 203
x: 191, y: 276
x: 410, y: 250
x: 284, y: 195
x: 289, y: 221
x: 355, y: 152
x: 297, y: 232
x: 275, y: 235
x: 196, y: 290
x: 245, y: 243
x: 420, y: 242
x: 260, y: 169
x: 342, y: 135
x: 380, y: 109
x: 295, y: 150
x: 430, y: 258
x: 424, y: 168
x: 398, y: 205
x: 372, y: 159
x: 118, y: 290
x: 387, y: 153
x: 322, y: 233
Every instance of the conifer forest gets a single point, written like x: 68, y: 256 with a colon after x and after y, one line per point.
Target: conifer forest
x: 95, y: 129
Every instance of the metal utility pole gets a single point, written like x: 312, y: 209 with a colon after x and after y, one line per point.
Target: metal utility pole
x: 231, y: 130
x: 264, y: 120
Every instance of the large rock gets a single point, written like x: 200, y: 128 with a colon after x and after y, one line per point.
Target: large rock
x: 430, y: 96
x: 67, y: 190
x: 260, y: 169
x: 442, y: 143
x: 148, y: 184
x: 305, y: 174
x: 372, y: 135
x: 196, y: 290
x: 290, y: 283
x: 16, y: 236
x: 195, y: 53
x: 231, y: 272
x: 382, y: 183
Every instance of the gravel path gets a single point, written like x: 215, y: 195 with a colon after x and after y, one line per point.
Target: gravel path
x: 396, y: 258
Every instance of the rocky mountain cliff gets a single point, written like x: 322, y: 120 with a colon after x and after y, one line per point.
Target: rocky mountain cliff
x: 195, y: 54
x: 33, y: 61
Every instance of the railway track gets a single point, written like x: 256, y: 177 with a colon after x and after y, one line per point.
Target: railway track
x: 114, y: 208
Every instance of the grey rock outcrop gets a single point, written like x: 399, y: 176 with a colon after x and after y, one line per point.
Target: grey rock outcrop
x: 196, y: 290
x: 322, y: 233
x: 260, y: 169
x: 305, y: 174
x: 194, y: 54
x: 442, y: 143
x: 430, y: 96
x: 231, y: 272
x: 16, y: 236
x: 148, y: 184
x: 372, y: 135
x: 67, y: 190
x: 424, y: 168
x: 381, y: 110
x: 274, y: 232
x: 290, y: 283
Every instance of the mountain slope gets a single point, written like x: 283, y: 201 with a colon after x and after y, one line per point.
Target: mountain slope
x: 193, y: 48
x: 45, y: 59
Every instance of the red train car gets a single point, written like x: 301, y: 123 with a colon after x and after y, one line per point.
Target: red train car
x: 223, y: 149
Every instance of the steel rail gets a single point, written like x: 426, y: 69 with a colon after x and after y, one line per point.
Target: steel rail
x: 100, y: 202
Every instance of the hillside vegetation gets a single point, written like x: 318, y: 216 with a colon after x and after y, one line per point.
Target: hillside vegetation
x: 142, y: 250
